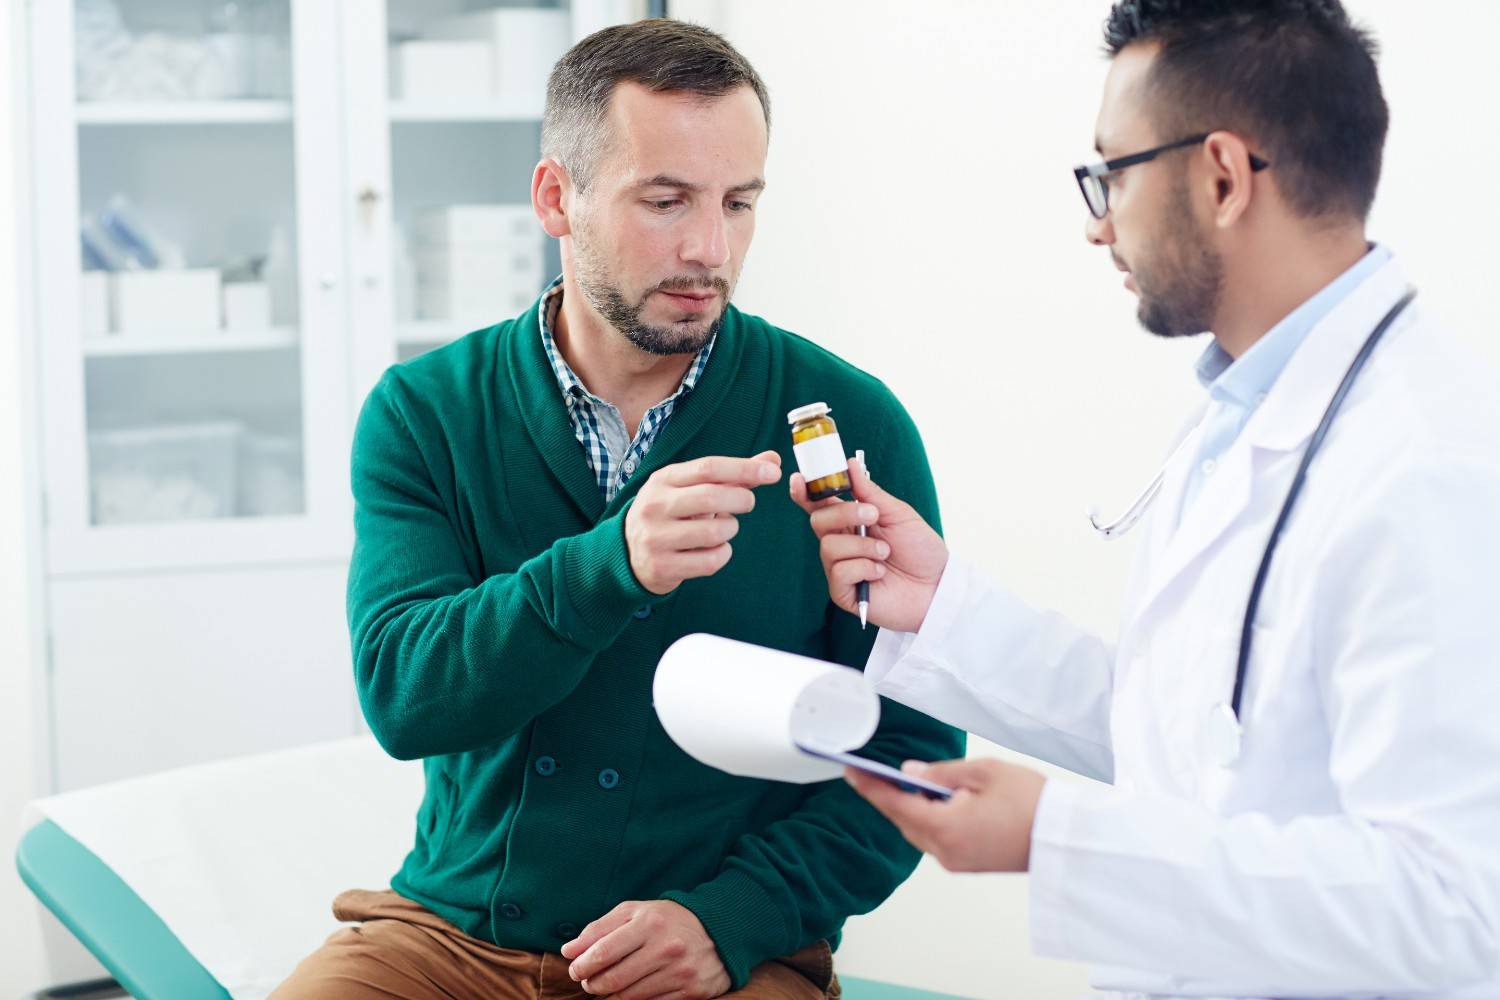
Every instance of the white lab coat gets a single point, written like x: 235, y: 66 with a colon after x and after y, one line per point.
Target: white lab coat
x: 1354, y: 849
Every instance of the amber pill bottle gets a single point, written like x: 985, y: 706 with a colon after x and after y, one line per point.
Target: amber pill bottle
x: 820, y: 453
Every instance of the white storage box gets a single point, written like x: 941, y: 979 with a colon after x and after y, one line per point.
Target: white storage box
x: 476, y: 266
x: 93, y: 303
x: 458, y: 71
x: 477, y: 282
x: 476, y: 310
x: 169, y: 473
x: 156, y: 302
x: 247, y: 305
x: 516, y: 223
x: 270, y: 481
x: 526, y: 43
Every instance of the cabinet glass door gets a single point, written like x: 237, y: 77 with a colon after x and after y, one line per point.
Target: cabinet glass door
x: 445, y: 162
x: 190, y: 271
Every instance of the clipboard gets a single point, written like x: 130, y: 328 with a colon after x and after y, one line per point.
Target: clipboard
x: 894, y: 776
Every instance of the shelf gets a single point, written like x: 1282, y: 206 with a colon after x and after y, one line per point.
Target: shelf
x: 116, y: 345
x: 461, y: 111
x: 182, y: 112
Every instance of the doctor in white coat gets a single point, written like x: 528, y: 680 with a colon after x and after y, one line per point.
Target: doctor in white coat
x: 1338, y: 834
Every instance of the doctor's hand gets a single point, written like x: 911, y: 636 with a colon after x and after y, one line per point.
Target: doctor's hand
x: 679, y: 525
x: 902, y: 558
x: 645, y: 950
x: 985, y: 827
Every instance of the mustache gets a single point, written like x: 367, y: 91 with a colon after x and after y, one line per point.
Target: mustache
x: 693, y: 283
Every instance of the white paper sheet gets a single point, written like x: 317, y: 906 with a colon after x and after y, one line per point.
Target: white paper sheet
x: 741, y: 708
x: 241, y: 859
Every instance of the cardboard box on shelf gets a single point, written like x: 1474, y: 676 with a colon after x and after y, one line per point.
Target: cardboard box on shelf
x: 93, y: 304
x: 247, y: 305
x: 527, y: 42
x: 487, y: 223
x: 442, y: 71
x: 151, y: 303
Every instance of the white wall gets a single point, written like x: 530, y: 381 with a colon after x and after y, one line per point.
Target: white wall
x: 922, y: 220
x: 21, y: 963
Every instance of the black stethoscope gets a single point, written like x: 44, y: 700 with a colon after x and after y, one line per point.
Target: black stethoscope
x: 1223, y: 729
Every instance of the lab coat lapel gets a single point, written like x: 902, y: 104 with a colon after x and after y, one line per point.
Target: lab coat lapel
x: 1283, y: 423
x: 1219, y: 504
x: 1161, y: 522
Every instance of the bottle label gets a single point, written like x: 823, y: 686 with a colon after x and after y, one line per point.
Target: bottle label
x: 822, y: 456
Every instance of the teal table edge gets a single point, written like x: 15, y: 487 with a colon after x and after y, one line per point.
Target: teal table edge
x: 130, y: 940
x: 122, y: 932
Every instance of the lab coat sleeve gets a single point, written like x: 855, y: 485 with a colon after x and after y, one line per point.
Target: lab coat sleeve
x: 1399, y: 893
x: 985, y: 661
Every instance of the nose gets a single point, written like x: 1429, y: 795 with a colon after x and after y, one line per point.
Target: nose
x: 705, y: 243
x: 1099, y: 232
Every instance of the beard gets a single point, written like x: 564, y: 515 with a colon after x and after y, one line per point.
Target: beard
x: 684, y: 337
x: 1180, y: 289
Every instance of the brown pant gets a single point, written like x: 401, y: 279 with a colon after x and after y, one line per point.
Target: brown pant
x: 401, y: 950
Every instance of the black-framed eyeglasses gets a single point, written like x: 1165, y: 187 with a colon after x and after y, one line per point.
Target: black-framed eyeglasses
x: 1093, y: 180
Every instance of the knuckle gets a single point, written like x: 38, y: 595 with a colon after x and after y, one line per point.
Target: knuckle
x: 674, y: 948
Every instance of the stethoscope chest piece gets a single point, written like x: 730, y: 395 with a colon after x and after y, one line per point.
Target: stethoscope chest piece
x: 1221, y: 735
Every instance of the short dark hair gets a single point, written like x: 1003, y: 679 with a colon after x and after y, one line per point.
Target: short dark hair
x: 661, y: 54
x: 1297, y: 76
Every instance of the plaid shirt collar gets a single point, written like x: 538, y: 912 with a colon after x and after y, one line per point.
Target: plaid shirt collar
x: 596, y: 422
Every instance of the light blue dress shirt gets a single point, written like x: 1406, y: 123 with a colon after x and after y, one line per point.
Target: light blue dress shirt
x: 1238, y: 386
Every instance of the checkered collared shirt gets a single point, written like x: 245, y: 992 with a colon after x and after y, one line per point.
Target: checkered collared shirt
x: 597, y: 424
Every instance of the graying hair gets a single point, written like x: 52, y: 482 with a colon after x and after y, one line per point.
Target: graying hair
x: 662, y: 55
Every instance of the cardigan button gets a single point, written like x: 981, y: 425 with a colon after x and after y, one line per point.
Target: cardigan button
x: 510, y: 911
x: 546, y: 766
x: 609, y: 778
x: 567, y: 931
x: 641, y: 614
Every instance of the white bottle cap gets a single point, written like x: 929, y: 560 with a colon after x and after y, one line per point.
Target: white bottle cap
x: 807, y: 412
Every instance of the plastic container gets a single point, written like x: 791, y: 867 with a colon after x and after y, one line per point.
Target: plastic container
x: 170, y: 473
x: 270, y: 475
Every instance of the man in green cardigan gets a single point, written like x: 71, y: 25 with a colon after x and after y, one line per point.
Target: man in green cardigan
x: 542, y: 508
